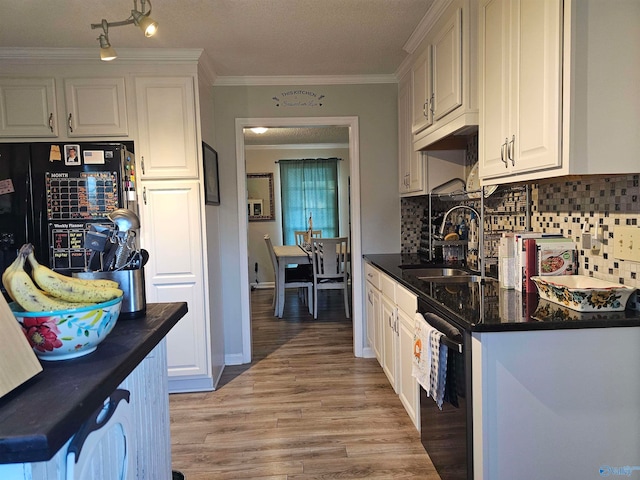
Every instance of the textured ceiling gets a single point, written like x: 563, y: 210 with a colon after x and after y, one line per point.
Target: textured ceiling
x: 240, y: 37
x: 298, y: 136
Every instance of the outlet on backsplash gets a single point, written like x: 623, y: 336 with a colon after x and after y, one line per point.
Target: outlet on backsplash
x: 626, y: 243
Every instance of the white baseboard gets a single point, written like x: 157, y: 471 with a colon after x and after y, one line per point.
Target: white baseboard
x: 367, y: 352
x: 233, y: 359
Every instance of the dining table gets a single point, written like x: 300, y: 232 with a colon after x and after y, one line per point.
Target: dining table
x: 287, y: 255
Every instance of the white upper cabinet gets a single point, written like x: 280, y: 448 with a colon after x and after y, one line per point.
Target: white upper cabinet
x: 422, y: 92
x: 447, y: 67
x: 520, y: 86
x: 558, y: 89
x: 444, y: 72
x: 28, y: 107
x: 411, y: 165
x: 167, y: 137
x: 96, y: 107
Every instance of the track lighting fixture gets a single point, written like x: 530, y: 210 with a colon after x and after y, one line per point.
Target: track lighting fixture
x: 139, y: 18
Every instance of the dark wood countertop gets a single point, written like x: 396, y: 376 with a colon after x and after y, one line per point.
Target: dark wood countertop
x: 38, y: 418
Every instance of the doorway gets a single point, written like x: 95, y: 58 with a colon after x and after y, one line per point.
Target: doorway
x: 353, y: 214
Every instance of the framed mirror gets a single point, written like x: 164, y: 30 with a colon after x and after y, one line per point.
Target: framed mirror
x: 260, y: 197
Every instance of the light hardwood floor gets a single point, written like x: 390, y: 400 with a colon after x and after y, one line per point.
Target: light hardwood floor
x: 305, y: 408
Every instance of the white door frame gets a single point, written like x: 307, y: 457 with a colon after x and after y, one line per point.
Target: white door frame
x: 356, y: 243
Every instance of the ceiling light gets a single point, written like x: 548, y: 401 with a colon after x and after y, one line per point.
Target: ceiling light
x: 107, y: 52
x: 259, y: 130
x: 140, y: 18
x: 147, y: 24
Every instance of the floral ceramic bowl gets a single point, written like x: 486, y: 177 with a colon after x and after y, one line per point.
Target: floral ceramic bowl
x: 582, y: 293
x: 65, y: 334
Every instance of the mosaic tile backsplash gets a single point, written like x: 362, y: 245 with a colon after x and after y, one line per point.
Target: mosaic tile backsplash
x: 565, y: 206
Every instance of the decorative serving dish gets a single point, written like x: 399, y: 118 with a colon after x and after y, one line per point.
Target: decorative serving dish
x: 555, y: 312
x: 582, y: 293
x: 66, y: 334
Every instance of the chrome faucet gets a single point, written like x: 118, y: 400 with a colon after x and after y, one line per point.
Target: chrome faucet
x: 444, y: 218
x: 480, y: 268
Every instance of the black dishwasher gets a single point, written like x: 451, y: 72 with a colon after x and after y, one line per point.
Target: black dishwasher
x: 447, y: 434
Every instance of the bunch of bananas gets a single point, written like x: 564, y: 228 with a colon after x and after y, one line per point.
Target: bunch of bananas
x: 56, y: 292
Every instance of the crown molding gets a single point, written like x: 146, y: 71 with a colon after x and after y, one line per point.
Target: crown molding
x: 206, y: 70
x: 125, y: 55
x: 428, y: 21
x: 298, y: 146
x: 305, y: 80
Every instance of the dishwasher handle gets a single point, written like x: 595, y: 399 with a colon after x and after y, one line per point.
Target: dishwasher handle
x: 452, y: 336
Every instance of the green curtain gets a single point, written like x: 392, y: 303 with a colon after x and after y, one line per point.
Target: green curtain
x: 309, y: 187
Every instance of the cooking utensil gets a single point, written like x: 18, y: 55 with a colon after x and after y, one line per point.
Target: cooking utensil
x: 124, y: 219
x: 126, y: 247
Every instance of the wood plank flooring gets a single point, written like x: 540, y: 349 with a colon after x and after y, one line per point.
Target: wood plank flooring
x: 305, y: 408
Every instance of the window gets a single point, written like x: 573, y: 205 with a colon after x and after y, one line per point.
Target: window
x: 309, y: 187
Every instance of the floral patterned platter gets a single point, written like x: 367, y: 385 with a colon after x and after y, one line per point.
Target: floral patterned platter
x: 555, y: 312
x: 65, y: 334
x: 582, y: 293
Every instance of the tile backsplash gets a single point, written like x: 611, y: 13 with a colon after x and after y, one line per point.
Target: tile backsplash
x: 562, y: 206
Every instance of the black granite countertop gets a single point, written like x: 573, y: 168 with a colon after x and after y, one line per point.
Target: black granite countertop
x: 487, y: 307
x: 38, y: 418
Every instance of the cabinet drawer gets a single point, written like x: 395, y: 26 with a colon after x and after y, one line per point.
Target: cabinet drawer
x: 388, y: 287
x: 406, y: 301
x: 372, y: 275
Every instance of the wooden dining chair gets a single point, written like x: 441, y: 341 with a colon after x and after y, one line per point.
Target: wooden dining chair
x: 293, y: 278
x: 330, y: 260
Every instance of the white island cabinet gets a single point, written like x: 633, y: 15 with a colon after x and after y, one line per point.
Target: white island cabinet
x: 555, y: 403
x: 101, y: 416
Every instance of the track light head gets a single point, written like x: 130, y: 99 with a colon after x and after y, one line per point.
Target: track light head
x: 107, y: 52
x: 140, y: 18
x: 147, y: 24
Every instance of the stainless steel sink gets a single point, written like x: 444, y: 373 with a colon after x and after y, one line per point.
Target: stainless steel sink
x: 438, y: 272
x: 459, y: 279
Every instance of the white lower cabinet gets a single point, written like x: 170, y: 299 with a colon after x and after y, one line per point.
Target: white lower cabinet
x: 390, y: 339
x: 407, y: 386
x: 171, y: 212
x: 134, y: 443
x: 390, y: 310
x: 372, y: 310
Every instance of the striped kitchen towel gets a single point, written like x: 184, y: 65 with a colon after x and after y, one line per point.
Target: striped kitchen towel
x: 438, y: 375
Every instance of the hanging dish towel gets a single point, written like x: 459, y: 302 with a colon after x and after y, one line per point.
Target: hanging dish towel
x: 438, y: 375
x: 421, y: 367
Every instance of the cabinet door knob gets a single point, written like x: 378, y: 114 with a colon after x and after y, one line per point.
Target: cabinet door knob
x: 70, y: 125
x: 51, y: 122
x: 142, y: 164
x: 144, y: 195
x: 425, y: 106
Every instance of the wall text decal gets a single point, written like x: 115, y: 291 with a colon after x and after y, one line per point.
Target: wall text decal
x: 298, y: 98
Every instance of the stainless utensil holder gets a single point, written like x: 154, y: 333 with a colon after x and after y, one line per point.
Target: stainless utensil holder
x: 134, y: 303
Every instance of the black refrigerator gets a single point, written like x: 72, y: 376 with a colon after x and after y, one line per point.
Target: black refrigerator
x: 52, y: 193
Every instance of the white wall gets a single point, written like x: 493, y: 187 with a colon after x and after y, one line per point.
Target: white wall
x: 375, y: 105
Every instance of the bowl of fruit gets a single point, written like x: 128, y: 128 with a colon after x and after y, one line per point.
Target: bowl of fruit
x: 62, y: 317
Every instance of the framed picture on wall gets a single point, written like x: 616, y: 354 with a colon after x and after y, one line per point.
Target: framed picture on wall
x: 211, y: 181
